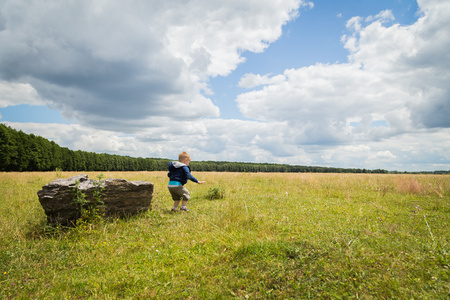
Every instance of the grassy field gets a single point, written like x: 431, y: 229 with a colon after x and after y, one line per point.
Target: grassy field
x: 273, y: 236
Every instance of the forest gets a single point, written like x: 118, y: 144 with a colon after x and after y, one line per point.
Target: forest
x: 21, y: 152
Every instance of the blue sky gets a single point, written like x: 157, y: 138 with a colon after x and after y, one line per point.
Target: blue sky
x: 356, y: 84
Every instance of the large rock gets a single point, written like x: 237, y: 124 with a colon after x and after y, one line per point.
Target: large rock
x: 120, y: 197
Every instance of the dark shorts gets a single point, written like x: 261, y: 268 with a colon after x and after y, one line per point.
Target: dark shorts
x: 179, y: 192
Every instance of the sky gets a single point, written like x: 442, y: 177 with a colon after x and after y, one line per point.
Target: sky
x: 347, y: 84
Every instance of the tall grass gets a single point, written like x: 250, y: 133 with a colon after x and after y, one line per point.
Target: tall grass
x: 272, y: 236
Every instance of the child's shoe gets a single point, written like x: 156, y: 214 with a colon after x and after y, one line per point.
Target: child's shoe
x: 184, y: 208
x: 173, y: 210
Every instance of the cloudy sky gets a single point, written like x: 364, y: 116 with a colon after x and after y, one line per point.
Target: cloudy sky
x: 352, y: 83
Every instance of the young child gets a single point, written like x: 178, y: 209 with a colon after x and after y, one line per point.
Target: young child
x: 179, y: 173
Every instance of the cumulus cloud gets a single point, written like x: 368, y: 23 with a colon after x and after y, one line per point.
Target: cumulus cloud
x: 13, y: 93
x: 392, y: 76
x: 395, y: 75
x: 331, y: 104
x: 250, y: 80
x: 112, y: 64
x: 250, y: 141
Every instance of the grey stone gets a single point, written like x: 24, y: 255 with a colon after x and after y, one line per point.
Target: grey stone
x: 120, y: 197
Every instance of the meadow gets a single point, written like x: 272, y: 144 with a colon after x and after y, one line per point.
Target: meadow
x: 272, y: 236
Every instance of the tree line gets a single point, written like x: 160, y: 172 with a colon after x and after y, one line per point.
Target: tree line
x: 27, y: 152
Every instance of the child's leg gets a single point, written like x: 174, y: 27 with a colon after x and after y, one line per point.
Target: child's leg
x: 175, y: 204
x: 186, y: 197
x: 174, y: 191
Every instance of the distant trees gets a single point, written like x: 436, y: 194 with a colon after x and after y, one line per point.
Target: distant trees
x: 223, y: 166
x: 26, y: 152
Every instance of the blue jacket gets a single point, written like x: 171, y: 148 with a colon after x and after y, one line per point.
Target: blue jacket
x: 180, y: 172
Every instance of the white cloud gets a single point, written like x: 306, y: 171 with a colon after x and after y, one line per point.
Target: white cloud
x: 250, y: 80
x: 212, y: 34
x: 382, y: 81
x: 113, y: 64
x: 396, y: 74
x: 323, y: 101
x: 18, y: 93
x: 250, y: 141
x: 384, y: 155
x: 383, y: 17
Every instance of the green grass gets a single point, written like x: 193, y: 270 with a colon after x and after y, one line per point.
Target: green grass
x: 272, y: 236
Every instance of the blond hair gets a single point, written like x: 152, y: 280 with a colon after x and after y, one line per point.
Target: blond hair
x: 183, y: 155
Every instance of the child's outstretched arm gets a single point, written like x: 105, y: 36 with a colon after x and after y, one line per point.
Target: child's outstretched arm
x: 190, y: 177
